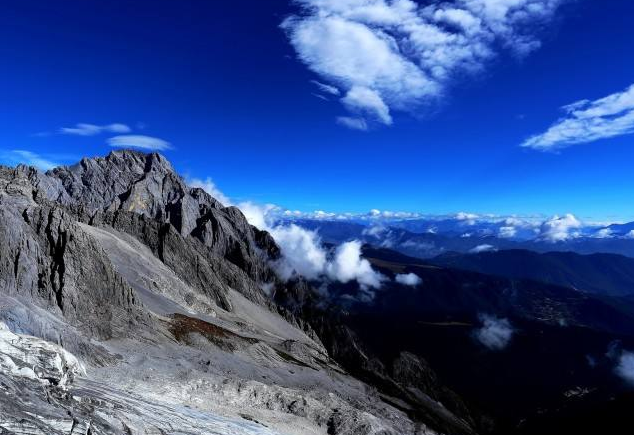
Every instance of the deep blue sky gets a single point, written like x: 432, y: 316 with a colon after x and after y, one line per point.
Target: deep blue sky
x: 221, y: 83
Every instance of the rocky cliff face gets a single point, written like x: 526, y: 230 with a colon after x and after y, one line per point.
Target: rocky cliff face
x: 157, y: 289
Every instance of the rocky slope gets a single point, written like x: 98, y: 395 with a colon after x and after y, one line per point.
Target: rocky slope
x: 152, y: 293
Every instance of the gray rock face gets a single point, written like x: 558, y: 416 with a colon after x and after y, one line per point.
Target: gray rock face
x: 127, y: 181
x: 135, y: 182
x: 45, y: 256
x: 157, y: 289
x: 123, y: 179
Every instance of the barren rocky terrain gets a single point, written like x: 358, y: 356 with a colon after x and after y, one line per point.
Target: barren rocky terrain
x: 131, y: 303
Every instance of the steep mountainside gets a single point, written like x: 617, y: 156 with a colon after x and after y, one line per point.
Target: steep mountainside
x: 131, y: 303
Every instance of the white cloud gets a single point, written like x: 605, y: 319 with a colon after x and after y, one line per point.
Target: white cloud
x: 257, y: 215
x: 293, y: 213
x: 467, y: 218
x: 374, y: 231
x: 495, y: 333
x: 353, y: 123
x: 210, y: 187
x: 320, y: 214
x: 386, y: 55
x: 482, y: 248
x: 629, y: 235
x: 16, y: 157
x: 348, y: 265
x: 625, y: 367
x: 83, y: 129
x: 383, y: 235
x: 303, y: 254
x: 302, y: 250
x: 559, y: 229
x: 516, y: 222
x: 603, y: 233
x: 376, y: 214
x: 410, y: 279
x: 589, y: 121
x: 507, y: 232
x: 464, y: 216
x: 139, y: 141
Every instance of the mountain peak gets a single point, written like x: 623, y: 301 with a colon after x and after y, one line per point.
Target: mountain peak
x: 152, y: 160
x: 125, y: 160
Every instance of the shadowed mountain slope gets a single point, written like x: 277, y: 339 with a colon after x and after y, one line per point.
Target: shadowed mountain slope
x: 602, y: 274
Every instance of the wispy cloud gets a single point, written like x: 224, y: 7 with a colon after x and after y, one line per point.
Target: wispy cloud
x: 83, y: 129
x: 386, y: 55
x: 139, y: 141
x: 353, y: 123
x: 589, y: 121
x: 368, y: 103
x: 121, y: 140
x: 328, y: 89
x: 16, y: 157
x: 482, y: 248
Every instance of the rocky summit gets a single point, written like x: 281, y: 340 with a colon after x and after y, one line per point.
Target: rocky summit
x: 131, y: 303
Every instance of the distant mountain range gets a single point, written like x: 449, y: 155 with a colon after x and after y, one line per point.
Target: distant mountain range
x: 472, y: 239
x: 621, y: 229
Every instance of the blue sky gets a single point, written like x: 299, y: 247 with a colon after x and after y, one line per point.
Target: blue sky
x: 231, y: 90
